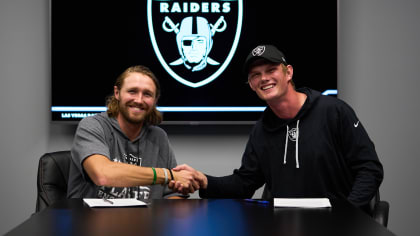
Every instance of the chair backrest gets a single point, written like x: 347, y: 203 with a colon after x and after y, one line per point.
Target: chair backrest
x: 53, y: 174
x: 266, y: 194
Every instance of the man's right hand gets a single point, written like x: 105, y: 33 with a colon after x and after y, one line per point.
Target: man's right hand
x: 185, y: 180
x: 199, y: 180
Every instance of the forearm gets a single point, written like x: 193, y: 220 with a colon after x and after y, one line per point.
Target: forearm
x: 364, y: 188
x: 126, y: 175
x: 366, y: 183
x: 104, y: 172
x: 231, y: 186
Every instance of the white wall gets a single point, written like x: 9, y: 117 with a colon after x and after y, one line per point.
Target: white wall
x: 379, y: 62
x: 378, y: 74
x: 23, y: 103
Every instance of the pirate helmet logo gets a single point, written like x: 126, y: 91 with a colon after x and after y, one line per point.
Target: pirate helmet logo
x: 258, y: 51
x: 194, y: 38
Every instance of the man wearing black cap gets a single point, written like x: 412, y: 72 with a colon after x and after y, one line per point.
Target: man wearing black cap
x: 304, y: 145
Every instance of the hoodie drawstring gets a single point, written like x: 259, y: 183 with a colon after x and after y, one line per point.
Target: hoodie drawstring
x: 285, y: 145
x: 297, y: 145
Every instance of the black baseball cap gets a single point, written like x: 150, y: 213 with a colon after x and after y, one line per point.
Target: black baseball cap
x: 267, y: 52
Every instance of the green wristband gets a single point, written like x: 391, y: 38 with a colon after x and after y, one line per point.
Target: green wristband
x: 154, y: 176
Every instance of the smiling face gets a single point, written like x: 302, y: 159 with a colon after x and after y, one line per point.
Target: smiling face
x: 137, y: 97
x: 270, y: 81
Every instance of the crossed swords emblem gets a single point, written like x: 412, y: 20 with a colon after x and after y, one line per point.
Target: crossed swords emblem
x: 169, y: 26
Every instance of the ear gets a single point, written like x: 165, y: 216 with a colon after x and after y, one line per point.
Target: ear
x: 116, y: 93
x: 289, y: 73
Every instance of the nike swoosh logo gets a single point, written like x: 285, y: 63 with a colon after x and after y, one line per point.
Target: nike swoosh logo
x: 356, y: 124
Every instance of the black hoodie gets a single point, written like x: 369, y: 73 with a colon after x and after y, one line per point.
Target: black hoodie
x: 323, y: 152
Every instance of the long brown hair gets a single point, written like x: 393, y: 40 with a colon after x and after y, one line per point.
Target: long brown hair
x: 155, y: 117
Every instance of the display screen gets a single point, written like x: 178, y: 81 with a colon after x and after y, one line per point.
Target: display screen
x: 196, y: 49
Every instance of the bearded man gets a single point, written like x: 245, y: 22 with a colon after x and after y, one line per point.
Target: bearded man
x: 121, y: 153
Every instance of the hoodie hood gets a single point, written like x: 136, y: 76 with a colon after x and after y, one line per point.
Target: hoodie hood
x: 113, y: 129
x: 273, y: 123
x: 112, y: 121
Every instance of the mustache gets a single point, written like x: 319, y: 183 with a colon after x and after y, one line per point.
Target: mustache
x: 139, y: 105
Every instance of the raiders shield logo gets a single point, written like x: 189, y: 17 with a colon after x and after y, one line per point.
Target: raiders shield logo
x: 194, y: 40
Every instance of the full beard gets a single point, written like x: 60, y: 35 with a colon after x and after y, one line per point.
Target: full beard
x: 134, y: 119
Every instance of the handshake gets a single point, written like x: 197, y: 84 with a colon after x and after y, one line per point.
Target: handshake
x: 187, y: 180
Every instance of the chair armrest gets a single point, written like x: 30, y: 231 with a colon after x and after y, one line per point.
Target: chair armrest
x: 380, y: 212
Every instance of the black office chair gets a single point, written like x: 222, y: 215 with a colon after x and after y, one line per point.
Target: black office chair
x: 53, y: 174
x: 379, y: 210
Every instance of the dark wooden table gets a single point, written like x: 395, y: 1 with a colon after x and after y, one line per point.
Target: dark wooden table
x: 200, y: 217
